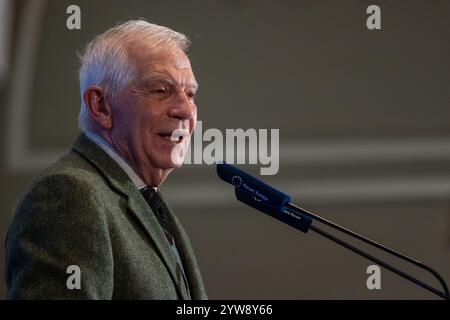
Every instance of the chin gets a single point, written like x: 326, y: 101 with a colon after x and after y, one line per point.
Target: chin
x: 165, y: 159
x: 176, y: 164
x: 167, y: 163
x: 177, y: 155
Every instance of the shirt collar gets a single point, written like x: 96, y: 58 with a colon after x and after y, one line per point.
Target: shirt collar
x: 105, y: 146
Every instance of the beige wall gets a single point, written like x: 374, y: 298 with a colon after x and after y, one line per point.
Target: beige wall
x: 363, y: 118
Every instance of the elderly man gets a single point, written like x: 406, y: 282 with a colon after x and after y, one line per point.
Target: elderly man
x: 94, y: 225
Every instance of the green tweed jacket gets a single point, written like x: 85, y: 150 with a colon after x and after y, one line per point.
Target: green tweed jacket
x: 85, y: 211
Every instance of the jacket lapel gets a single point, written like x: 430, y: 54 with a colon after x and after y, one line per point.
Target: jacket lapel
x: 137, y: 205
x: 187, y: 256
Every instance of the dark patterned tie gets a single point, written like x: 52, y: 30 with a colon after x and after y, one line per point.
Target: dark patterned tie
x: 155, y: 201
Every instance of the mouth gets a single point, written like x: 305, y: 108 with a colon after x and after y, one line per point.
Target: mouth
x: 176, y: 136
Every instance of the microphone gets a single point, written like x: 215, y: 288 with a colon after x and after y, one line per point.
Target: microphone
x: 263, y: 197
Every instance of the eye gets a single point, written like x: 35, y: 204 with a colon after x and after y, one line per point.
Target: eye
x: 191, y: 95
x: 160, y: 91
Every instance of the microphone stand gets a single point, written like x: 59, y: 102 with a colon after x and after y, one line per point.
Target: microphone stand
x: 444, y: 295
x: 276, y: 204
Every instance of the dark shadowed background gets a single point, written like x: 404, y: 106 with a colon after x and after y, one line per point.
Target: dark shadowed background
x: 363, y: 115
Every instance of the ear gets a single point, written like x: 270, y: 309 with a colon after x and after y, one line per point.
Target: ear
x: 100, y: 110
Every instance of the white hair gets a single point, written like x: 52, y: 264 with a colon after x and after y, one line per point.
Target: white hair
x: 105, y: 61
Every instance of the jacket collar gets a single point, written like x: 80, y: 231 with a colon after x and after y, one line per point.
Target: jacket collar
x: 105, y: 146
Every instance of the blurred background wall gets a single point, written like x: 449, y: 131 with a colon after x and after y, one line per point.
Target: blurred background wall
x: 363, y: 118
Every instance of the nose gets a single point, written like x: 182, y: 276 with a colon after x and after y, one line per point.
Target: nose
x: 183, y: 108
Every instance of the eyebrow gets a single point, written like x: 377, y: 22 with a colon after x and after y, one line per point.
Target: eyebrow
x: 165, y: 78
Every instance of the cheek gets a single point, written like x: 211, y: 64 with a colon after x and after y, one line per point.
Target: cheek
x: 145, y: 119
x: 145, y: 131
x: 127, y: 117
x: 122, y: 126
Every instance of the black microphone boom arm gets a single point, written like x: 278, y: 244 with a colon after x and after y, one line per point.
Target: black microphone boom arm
x: 277, y: 204
x: 444, y: 294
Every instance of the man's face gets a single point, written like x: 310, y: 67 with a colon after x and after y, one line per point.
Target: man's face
x: 153, y: 119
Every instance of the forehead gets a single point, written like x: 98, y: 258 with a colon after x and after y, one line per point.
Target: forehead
x: 168, y: 60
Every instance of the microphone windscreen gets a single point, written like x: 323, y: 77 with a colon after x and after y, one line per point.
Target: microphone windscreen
x: 260, y: 190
